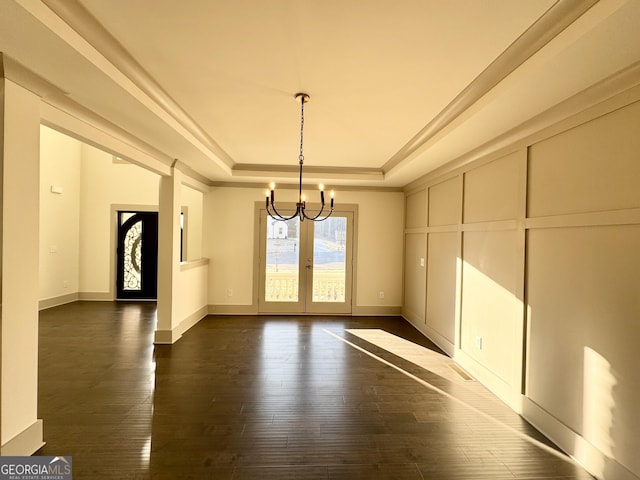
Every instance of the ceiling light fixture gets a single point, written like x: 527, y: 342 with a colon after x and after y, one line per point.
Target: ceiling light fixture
x: 301, y: 204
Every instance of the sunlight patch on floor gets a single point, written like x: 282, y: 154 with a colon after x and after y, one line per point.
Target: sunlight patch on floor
x: 477, y: 411
x: 412, y: 352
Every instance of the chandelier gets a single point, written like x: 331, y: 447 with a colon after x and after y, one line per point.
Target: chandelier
x: 301, y: 204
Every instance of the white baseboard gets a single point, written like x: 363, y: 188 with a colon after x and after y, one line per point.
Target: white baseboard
x: 358, y: 311
x: 57, y: 301
x: 169, y: 337
x: 232, y: 310
x: 592, y: 459
x: 27, y: 442
x: 375, y: 311
x: 97, y: 296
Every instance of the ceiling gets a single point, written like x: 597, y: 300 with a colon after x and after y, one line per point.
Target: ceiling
x: 398, y: 87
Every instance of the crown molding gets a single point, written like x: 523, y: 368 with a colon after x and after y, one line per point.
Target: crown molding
x: 546, y: 28
x: 291, y: 186
x: 74, y: 24
x: 12, y: 70
x: 614, y: 92
x: 292, y: 171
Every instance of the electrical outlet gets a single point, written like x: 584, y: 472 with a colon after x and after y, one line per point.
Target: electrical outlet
x: 381, y: 294
x: 229, y: 293
x: 65, y: 284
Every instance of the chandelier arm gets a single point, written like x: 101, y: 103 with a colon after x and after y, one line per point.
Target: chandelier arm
x: 316, y: 218
x: 278, y: 216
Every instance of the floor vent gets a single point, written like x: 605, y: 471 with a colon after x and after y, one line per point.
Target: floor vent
x: 461, y: 372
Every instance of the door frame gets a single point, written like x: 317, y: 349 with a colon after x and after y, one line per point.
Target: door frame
x: 149, y: 255
x: 115, y: 208
x: 258, y: 277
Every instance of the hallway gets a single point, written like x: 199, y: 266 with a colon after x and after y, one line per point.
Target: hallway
x: 271, y: 398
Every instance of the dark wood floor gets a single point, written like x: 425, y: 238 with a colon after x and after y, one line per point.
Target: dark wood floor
x: 270, y: 398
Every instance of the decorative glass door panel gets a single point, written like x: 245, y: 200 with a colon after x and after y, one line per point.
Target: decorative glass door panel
x: 305, y: 267
x: 137, y: 255
x: 132, y: 280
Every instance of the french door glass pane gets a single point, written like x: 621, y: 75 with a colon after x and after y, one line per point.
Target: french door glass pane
x: 283, y: 247
x: 329, y: 260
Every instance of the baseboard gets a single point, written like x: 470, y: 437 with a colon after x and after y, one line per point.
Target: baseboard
x: 232, y: 310
x: 358, y: 311
x: 506, y: 392
x: 59, y: 300
x: 169, y: 337
x: 375, y: 311
x: 27, y: 442
x: 96, y: 296
x: 593, y: 460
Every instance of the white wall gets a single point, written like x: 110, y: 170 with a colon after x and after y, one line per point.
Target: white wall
x: 20, y: 430
x: 60, y: 160
x: 229, y: 224
x: 533, y: 255
x: 103, y: 184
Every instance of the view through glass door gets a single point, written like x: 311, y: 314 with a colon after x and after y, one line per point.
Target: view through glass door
x: 305, y: 267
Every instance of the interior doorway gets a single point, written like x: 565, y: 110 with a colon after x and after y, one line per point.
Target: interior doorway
x: 137, y: 256
x: 306, y: 266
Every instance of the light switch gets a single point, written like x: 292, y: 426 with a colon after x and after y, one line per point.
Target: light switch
x: 422, y: 261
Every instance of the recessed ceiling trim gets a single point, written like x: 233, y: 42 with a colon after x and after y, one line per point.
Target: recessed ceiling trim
x: 69, y: 117
x: 96, y: 44
x: 291, y: 186
x: 613, y: 92
x: 546, y: 28
x: 18, y: 73
x: 348, y: 173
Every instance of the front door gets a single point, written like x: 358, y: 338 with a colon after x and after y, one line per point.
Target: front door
x: 306, y: 267
x: 137, y: 256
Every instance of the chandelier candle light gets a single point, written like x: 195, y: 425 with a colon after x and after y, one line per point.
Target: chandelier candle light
x: 301, y: 204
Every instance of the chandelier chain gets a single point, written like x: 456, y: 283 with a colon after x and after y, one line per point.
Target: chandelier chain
x: 301, y: 156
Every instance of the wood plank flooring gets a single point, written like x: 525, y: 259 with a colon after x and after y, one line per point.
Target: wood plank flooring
x: 271, y: 398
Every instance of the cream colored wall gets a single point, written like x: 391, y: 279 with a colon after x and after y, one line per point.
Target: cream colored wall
x: 103, y: 184
x: 583, y: 279
x: 556, y: 222
x: 60, y: 159
x: 193, y: 201
x: 228, y: 243
x: 379, y: 247
x: 229, y: 216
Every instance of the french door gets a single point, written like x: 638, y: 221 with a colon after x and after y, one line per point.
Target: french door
x: 137, y: 256
x: 305, y: 266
